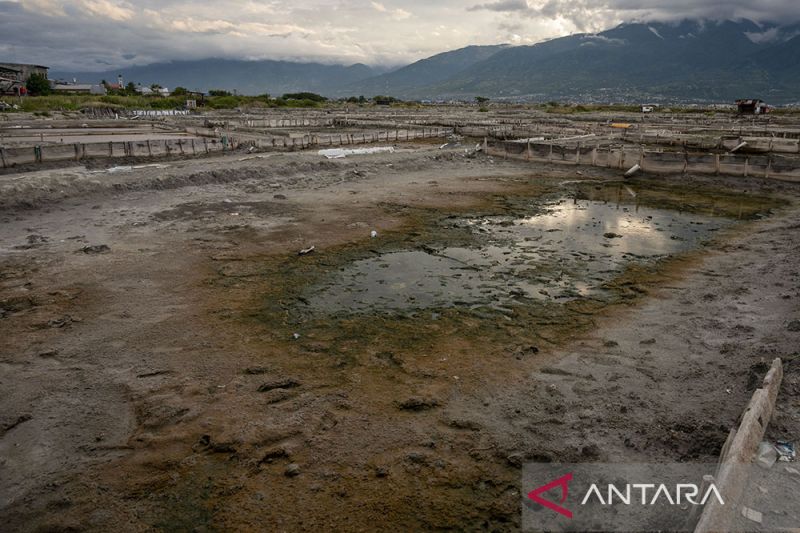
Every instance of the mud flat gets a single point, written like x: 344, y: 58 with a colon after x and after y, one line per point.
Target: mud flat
x: 171, y: 362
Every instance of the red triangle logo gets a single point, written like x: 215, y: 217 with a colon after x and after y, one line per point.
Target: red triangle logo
x: 562, y: 482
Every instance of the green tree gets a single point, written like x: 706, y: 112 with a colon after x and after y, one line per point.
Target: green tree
x: 130, y: 89
x: 305, y: 96
x: 180, y: 91
x: 481, y: 99
x: 219, y: 92
x: 38, y: 85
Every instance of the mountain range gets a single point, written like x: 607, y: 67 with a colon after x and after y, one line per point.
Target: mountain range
x: 690, y: 60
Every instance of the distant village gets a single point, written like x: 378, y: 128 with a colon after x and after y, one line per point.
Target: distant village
x: 16, y: 80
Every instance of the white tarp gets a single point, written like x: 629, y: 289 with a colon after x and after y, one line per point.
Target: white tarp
x: 336, y: 153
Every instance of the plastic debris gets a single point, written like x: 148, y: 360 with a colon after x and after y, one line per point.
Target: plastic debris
x: 786, y: 451
x: 739, y: 146
x: 295, y: 336
x: 373, y: 234
x: 306, y: 251
x: 766, y: 455
x: 633, y: 170
x: 337, y: 153
x: 752, y: 514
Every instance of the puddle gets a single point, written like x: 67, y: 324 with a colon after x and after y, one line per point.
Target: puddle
x: 564, y: 249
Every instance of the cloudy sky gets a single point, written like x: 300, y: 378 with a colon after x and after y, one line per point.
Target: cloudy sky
x: 104, y: 34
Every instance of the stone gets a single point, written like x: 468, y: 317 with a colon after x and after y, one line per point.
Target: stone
x: 285, y: 383
x: 418, y: 404
x: 94, y: 249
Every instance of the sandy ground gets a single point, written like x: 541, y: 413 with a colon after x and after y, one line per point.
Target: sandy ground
x: 145, y: 385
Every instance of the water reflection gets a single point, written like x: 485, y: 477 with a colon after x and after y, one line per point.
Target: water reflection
x: 566, y: 250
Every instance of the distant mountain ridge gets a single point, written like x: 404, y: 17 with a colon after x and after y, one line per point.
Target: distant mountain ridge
x: 423, y: 73
x: 687, y: 60
x: 246, y: 77
x: 690, y: 60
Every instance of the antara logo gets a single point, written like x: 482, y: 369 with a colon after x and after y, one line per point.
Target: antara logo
x: 629, y: 494
x: 562, y: 482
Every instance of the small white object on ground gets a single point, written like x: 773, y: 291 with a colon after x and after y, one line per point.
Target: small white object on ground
x: 373, y: 234
x: 337, y: 153
x: 633, y: 170
x: 751, y: 514
x: 295, y: 336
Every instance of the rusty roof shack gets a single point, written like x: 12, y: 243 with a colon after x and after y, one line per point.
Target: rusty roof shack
x: 752, y: 106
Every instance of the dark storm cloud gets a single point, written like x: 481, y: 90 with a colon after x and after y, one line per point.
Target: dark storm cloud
x: 83, y: 34
x: 502, y: 6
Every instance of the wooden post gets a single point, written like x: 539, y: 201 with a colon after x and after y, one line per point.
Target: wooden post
x: 3, y: 156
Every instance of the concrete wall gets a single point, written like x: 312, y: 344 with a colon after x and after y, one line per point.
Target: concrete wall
x: 623, y: 158
x: 340, y: 139
x: 211, y: 142
x: 10, y: 157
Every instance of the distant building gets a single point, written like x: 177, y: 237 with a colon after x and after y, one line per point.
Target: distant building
x: 144, y: 90
x: 14, y: 75
x: 78, y: 88
x: 752, y: 107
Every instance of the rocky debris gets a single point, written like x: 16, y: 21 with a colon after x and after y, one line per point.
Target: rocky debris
x: 8, y: 426
x: 463, y: 423
x: 516, y: 459
x: 32, y: 241
x: 648, y: 341
x: 285, y: 383
x: 381, y: 471
x: 524, y: 351
x: 418, y: 404
x: 417, y: 457
x: 205, y: 442
x: 292, y: 470
x: 612, y: 235
x: 48, y: 353
x: 274, y: 454
x: 15, y: 305
x: 610, y: 344
x: 794, y: 325
x: 61, y: 322
x: 94, y: 249
x: 255, y: 370
x: 277, y: 396
x: 279, y: 196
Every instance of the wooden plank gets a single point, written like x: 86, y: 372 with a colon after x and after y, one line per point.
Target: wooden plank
x: 731, y: 478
